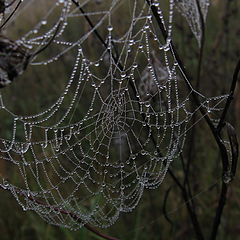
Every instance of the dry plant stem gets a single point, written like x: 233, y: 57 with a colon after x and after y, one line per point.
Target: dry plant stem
x: 72, y: 215
x: 191, y: 210
x: 154, y: 212
x: 116, y: 60
x: 221, y: 204
x: 230, y: 97
x: 94, y: 30
x: 202, y: 110
x: 186, y: 77
x: 215, y: 132
x: 10, y: 16
x: 202, y: 45
x: 49, y: 42
x: 184, y: 74
x: 11, y: 3
x: 197, y: 87
x: 186, y: 183
x: 185, y: 193
x: 90, y: 23
x: 224, y: 190
x: 164, y: 209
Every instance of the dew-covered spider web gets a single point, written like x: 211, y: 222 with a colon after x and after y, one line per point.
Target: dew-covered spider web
x: 116, y: 119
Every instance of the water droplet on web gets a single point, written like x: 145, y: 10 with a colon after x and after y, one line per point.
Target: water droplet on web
x: 123, y: 75
x: 110, y: 28
x: 44, y: 22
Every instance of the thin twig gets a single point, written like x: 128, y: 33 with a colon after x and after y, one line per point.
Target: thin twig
x: 191, y: 211
x: 234, y: 149
x: 33, y: 55
x: 185, y: 193
x: 194, y: 95
x: 165, y: 212
x: 11, y: 3
x: 49, y: 42
x: 94, y: 30
x: 214, y: 131
x: 90, y: 23
x: 230, y: 97
x: 193, y: 215
x: 10, y: 16
x: 221, y: 204
x: 224, y: 190
x: 193, y: 131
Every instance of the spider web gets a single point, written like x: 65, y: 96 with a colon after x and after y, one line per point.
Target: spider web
x: 120, y: 120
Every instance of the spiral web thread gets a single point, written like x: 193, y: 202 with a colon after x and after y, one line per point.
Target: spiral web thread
x: 121, y: 120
